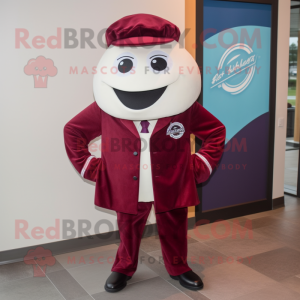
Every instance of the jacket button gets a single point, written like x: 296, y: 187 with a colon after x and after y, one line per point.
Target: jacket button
x: 134, y: 178
x: 135, y: 153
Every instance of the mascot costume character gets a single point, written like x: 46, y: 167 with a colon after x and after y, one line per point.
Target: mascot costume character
x: 146, y: 108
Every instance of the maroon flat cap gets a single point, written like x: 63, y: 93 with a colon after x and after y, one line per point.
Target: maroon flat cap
x: 141, y: 30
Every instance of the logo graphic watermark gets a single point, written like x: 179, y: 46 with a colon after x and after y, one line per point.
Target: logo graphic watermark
x: 40, y: 68
x: 39, y: 258
x: 66, y: 229
x: 71, y: 38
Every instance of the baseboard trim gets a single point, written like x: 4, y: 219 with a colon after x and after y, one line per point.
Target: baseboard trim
x: 235, y: 211
x: 278, y: 202
x: 77, y: 244
x: 240, y: 210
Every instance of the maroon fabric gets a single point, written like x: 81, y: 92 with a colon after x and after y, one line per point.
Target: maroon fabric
x: 142, y: 41
x: 141, y: 29
x: 174, y: 170
x: 172, y: 230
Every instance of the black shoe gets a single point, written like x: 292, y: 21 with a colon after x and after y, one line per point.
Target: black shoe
x: 116, y: 282
x: 189, y: 280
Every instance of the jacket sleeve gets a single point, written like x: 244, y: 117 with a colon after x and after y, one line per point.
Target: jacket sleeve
x: 212, y: 133
x: 78, y: 132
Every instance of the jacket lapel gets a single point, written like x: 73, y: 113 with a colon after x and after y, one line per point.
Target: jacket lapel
x: 161, y: 123
x: 130, y: 125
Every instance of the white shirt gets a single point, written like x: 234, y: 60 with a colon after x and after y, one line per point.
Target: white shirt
x: 145, y: 178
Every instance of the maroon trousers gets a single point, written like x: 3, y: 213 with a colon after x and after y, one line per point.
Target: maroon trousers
x: 172, y: 230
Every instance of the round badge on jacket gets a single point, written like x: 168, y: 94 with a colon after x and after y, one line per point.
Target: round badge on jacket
x: 175, y: 130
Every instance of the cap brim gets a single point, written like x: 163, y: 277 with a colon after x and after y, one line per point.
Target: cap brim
x: 142, y: 41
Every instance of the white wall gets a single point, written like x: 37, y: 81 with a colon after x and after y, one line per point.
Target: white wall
x: 281, y: 95
x: 38, y: 183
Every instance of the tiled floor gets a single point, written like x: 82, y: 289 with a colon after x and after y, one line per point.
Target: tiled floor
x: 252, y: 257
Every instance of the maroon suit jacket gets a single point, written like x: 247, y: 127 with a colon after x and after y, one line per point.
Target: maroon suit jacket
x: 175, y: 171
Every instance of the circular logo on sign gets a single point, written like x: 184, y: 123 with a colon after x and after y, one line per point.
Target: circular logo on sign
x: 175, y: 130
x: 236, y: 69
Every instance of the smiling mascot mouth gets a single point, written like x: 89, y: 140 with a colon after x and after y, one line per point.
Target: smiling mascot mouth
x: 139, y: 100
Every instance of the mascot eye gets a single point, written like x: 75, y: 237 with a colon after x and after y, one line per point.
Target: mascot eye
x: 159, y: 63
x: 125, y: 65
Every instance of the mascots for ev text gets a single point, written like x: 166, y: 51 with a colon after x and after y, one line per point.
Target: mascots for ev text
x: 146, y: 108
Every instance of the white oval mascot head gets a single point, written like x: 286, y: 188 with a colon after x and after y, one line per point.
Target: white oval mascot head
x: 145, y: 74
